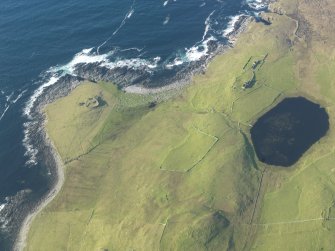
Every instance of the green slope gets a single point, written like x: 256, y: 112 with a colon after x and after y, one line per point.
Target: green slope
x: 183, y: 175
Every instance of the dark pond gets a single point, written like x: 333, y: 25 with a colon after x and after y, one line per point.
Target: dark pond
x: 282, y: 135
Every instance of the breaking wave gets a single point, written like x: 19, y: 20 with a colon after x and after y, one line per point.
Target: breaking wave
x: 127, y: 16
x: 10, y: 99
x: 257, y: 4
x: 231, y: 25
x: 215, y: 33
x: 9, y: 210
x: 3, y: 218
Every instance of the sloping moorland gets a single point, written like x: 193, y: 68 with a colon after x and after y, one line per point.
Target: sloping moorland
x: 182, y: 174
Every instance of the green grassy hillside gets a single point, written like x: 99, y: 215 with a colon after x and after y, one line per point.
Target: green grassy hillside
x: 183, y: 175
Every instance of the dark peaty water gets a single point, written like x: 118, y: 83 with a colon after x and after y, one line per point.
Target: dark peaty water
x: 282, y: 135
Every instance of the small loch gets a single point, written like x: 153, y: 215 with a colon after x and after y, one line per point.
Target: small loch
x: 282, y: 135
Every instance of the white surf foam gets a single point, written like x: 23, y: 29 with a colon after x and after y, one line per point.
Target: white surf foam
x: 19, y: 96
x: 130, y: 13
x: 257, y: 4
x: 126, y: 17
x: 193, y: 54
x: 134, y: 63
x: 10, y: 101
x: 231, y: 25
x: 8, y: 97
x: 177, y: 61
x: 87, y: 51
x: 82, y: 58
x: 31, y: 152
x: 2, y: 207
x: 133, y: 48
x: 197, y: 52
x: 4, y: 221
x: 4, y: 112
x: 207, y: 25
x: 52, y: 80
x: 105, y: 42
x: 167, y: 20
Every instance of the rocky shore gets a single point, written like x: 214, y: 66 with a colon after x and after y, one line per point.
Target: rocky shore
x: 134, y: 81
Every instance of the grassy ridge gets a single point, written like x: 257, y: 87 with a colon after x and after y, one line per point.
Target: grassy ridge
x: 119, y: 188
x: 183, y: 175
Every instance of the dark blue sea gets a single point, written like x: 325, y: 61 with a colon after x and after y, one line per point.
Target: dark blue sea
x: 137, y: 42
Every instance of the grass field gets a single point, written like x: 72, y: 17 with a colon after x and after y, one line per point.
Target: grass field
x: 183, y: 175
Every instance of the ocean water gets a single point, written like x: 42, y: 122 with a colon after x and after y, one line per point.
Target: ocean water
x: 130, y: 42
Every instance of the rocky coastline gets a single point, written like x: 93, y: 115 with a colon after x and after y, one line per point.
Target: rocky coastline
x: 134, y: 81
